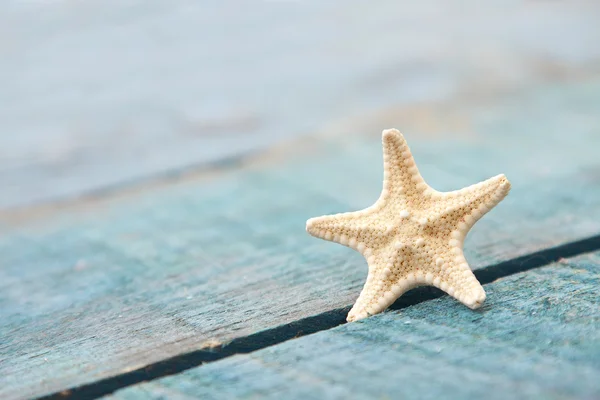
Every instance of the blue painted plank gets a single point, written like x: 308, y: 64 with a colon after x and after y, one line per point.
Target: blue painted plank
x: 538, y: 336
x: 100, y: 287
x: 104, y: 93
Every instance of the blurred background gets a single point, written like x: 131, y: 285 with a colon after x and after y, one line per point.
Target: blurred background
x: 98, y: 94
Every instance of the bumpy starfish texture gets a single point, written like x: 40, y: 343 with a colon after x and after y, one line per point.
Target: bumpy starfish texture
x: 413, y: 235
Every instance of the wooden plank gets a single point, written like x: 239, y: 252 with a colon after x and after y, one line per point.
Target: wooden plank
x: 537, y: 337
x: 104, y: 93
x: 93, y: 292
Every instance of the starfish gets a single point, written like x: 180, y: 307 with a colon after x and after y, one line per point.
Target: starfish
x: 413, y: 235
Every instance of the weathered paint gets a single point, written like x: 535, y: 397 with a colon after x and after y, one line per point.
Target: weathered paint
x: 92, y: 293
x: 538, y: 336
x: 103, y: 93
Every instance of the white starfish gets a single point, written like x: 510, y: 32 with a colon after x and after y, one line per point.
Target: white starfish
x: 413, y: 235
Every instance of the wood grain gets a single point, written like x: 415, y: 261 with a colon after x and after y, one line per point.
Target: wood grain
x: 91, y: 293
x: 102, y: 94
x: 538, y: 336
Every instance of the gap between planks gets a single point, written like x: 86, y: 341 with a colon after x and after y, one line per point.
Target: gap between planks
x: 317, y: 323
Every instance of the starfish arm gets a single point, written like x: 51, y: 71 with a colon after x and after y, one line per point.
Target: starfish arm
x: 390, y: 276
x: 401, y: 177
x: 379, y: 292
x: 458, y: 211
x: 458, y: 281
x: 353, y: 229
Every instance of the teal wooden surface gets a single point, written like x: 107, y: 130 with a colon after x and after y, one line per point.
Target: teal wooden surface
x: 537, y: 337
x: 96, y: 289
x: 104, y: 93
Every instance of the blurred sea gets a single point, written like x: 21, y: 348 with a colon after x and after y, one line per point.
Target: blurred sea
x: 100, y: 93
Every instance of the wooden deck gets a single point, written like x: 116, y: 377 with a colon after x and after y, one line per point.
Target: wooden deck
x: 537, y: 337
x: 158, y: 163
